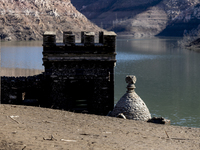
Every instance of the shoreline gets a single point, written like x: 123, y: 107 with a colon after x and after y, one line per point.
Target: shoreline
x: 194, y: 48
x: 17, y: 72
x: 42, y: 128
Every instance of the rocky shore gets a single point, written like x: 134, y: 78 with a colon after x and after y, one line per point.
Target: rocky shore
x: 25, y: 127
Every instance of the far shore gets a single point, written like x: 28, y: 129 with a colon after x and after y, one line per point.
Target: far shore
x: 16, y: 72
x: 194, y: 48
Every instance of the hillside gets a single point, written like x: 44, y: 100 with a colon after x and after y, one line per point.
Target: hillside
x: 29, y: 19
x: 141, y: 18
x: 183, y: 22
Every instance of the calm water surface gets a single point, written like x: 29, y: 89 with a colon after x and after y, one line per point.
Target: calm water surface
x: 26, y: 55
x: 167, y: 76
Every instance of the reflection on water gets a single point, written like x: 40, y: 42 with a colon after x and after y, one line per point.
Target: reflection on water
x: 22, y: 44
x: 121, y: 56
x: 167, y: 76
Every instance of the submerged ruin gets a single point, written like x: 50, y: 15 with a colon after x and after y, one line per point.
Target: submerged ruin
x: 78, y: 76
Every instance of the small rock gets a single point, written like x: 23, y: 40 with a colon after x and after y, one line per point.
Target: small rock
x: 121, y: 116
x: 8, y: 38
x: 159, y: 120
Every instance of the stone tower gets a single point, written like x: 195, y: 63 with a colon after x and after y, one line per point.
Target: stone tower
x: 80, y: 75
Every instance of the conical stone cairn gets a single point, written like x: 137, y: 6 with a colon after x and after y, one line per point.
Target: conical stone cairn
x: 131, y: 105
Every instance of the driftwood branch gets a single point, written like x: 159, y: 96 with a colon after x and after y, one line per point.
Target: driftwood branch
x: 177, y: 138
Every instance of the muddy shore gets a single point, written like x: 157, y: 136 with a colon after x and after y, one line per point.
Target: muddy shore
x: 35, y: 128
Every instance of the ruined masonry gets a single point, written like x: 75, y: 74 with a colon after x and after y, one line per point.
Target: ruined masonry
x: 131, y: 105
x: 80, y: 76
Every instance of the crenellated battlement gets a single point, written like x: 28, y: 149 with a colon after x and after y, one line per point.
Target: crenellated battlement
x: 106, y: 42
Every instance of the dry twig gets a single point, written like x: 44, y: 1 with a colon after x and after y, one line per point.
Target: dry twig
x: 167, y: 134
x: 64, y: 140
x: 12, y: 117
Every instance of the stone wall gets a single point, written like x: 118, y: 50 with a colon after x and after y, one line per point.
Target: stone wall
x: 19, y: 90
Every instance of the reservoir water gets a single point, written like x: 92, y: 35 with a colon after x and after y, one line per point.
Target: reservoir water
x: 167, y: 76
